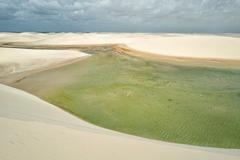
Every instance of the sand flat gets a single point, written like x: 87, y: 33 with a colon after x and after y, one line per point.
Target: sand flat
x: 34, y: 129
x: 181, y: 45
x: 223, y: 46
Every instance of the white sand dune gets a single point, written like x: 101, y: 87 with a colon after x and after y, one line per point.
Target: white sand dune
x: 183, y: 45
x: 34, y: 129
x: 21, y: 37
x: 14, y: 60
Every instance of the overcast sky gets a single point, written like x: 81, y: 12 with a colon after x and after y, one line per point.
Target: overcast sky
x: 120, y: 15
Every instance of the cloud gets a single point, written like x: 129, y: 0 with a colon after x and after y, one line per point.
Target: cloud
x: 7, y: 10
x: 122, y: 15
x: 44, y: 7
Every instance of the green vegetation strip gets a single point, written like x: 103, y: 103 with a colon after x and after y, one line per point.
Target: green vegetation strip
x: 158, y: 100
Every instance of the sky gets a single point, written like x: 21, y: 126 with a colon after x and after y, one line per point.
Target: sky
x: 120, y: 15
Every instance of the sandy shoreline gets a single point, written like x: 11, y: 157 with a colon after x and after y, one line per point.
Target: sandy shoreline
x: 34, y: 128
x: 202, y: 49
x: 18, y: 63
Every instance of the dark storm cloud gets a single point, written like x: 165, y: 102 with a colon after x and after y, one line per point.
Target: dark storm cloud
x: 44, y: 8
x: 7, y: 10
x: 121, y: 15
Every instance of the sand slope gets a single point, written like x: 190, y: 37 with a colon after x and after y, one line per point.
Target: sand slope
x: 20, y: 60
x: 34, y: 129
